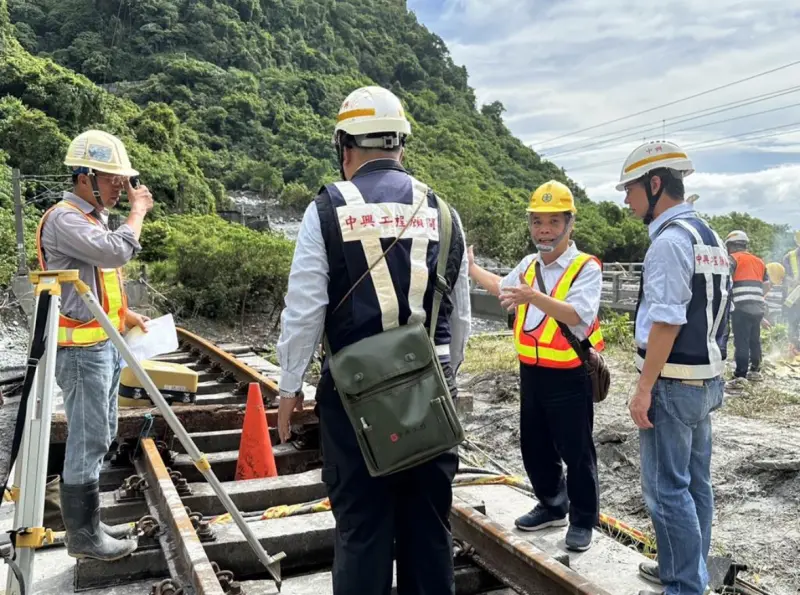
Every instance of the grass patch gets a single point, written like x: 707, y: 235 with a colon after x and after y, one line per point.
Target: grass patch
x: 757, y: 401
x: 490, y: 353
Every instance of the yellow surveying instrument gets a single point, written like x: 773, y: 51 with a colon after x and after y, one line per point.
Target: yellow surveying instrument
x: 177, y: 383
x: 33, y: 432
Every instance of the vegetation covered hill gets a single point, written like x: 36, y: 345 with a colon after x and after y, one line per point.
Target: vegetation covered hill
x: 216, y: 95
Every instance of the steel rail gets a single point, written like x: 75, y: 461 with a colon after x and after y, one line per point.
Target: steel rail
x: 519, y: 563
x: 229, y: 363
x: 185, y: 555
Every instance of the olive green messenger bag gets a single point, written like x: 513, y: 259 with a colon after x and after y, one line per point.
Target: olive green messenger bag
x: 392, y: 384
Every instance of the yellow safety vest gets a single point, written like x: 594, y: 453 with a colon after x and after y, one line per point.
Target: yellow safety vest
x: 76, y: 333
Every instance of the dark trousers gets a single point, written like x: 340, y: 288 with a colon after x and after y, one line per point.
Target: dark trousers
x: 556, y: 423
x: 746, y: 341
x: 402, y: 516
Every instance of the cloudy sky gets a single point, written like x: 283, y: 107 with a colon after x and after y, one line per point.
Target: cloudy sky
x: 563, y: 68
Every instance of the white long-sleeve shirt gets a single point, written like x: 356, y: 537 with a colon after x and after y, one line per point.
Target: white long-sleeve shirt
x: 303, y: 318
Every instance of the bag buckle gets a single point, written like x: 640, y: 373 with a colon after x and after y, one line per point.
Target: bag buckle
x: 441, y: 285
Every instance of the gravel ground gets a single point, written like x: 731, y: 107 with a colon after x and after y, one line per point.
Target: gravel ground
x: 756, y: 509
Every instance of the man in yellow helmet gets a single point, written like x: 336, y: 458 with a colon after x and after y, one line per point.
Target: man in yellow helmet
x: 791, y: 264
x: 74, y: 234
x: 556, y: 293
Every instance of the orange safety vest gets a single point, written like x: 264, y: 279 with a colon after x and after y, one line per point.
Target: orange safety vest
x: 546, y: 345
x: 76, y: 333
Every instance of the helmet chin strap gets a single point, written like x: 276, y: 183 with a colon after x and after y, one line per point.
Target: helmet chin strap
x: 652, y: 199
x: 547, y: 248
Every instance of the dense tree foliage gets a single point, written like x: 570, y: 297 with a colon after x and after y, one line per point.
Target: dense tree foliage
x: 246, y: 92
x: 212, y: 95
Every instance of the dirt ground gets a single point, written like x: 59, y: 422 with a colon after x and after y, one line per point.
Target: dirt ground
x: 757, y: 512
x: 757, y: 509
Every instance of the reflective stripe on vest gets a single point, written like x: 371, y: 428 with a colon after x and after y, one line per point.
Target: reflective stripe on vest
x: 546, y: 345
x: 748, y: 278
x: 794, y: 264
x: 76, y: 333
x: 367, y: 223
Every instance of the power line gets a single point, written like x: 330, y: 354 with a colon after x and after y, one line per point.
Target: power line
x: 652, y: 109
x: 704, y: 144
x: 685, y: 117
x: 689, y: 129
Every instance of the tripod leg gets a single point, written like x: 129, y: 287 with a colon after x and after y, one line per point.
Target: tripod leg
x: 272, y: 563
x: 32, y: 462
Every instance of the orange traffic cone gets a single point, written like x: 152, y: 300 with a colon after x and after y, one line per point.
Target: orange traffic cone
x: 255, y: 449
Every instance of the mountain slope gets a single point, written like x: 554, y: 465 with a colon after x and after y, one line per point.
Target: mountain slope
x: 249, y: 90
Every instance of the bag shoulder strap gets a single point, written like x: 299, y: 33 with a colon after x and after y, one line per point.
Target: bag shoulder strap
x: 441, y: 286
x: 568, y: 334
x: 382, y: 256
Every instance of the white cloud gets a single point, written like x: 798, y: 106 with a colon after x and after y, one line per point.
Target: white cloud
x: 559, y: 67
x: 770, y: 194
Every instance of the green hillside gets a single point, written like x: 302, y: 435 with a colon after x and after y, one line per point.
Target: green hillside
x: 213, y: 95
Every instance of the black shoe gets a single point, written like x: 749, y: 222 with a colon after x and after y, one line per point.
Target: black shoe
x: 539, y: 518
x: 649, y: 572
x: 80, y: 507
x: 648, y: 592
x: 578, y: 539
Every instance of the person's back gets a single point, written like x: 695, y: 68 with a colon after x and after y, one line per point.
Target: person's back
x: 750, y: 282
x: 342, y: 285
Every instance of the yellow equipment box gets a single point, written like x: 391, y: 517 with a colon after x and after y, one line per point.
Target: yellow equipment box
x: 177, y: 383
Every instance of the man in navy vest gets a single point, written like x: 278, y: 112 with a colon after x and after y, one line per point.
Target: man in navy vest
x: 681, y: 317
x: 403, y: 516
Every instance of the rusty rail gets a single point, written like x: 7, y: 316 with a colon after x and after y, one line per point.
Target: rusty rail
x: 515, y: 561
x: 229, y: 363
x: 189, y: 564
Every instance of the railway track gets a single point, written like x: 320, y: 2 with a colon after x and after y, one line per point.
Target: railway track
x: 187, y: 545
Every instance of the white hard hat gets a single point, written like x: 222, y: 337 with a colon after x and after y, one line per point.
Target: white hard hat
x: 372, y: 110
x: 654, y: 155
x: 736, y: 236
x: 99, y: 151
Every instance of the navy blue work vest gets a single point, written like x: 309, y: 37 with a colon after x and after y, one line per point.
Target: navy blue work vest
x: 359, y: 220
x: 699, y: 349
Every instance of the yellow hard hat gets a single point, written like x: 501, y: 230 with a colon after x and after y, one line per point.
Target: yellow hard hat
x: 99, y: 151
x: 552, y: 197
x: 776, y: 273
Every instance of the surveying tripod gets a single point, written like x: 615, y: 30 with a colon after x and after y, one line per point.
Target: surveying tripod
x: 31, y: 469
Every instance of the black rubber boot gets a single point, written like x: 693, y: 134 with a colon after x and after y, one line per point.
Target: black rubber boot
x: 52, y: 512
x: 80, y: 507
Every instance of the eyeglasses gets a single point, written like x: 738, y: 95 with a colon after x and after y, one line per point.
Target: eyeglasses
x: 112, y: 180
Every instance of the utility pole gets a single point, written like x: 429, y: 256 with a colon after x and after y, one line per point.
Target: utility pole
x: 22, y: 266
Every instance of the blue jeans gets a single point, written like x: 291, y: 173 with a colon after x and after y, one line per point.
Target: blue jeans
x: 89, y: 379
x: 676, y: 479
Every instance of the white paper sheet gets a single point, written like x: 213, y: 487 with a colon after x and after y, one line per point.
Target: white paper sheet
x: 161, y: 337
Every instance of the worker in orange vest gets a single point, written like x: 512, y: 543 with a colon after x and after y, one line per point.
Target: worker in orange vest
x: 750, y: 285
x: 555, y: 292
